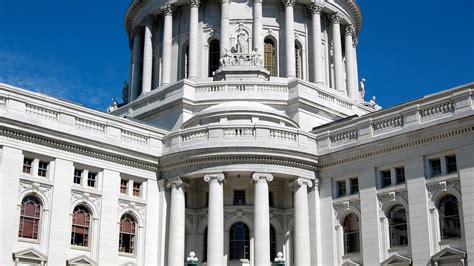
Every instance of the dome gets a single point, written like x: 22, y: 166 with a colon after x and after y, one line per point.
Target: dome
x: 240, y: 111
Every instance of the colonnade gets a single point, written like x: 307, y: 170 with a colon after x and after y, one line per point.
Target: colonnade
x: 345, y: 73
x: 215, y: 237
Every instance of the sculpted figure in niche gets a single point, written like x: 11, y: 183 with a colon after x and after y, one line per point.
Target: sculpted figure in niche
x: 227, y: 59
x: 242, y: 40
x: 362, y: 89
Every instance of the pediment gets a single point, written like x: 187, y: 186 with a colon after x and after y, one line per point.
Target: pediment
x: 397, y: 259
x: 81, y: 260
x: 449, y: 253
x: 350, y: 263
x: 30, y: 254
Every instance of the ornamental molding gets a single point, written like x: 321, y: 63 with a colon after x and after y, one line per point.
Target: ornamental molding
x: 345, y: 207
x: 400, y: 147
x: 37, y: 189
x: 288, y: 3
x: 445, y: 186
x: 349, y: 31
x: 174, y: 183
x: 254, y: 159
x: 194, y: 3
x: 392, y: 197
x: 77, y: 149
x: 266, y: 176
x: 217, y: 176
x: 91, y: 200
x: 302, y: 182
x: 149, y: 20
x: 125, y: 206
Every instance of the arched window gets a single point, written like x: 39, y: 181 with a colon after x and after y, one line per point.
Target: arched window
x: 449, y: 221
x: 239, y: 242
x: 214, y: 56
x: 127, y: 237
x: 273, y: 244
x: 204, y: 245
x: 299, y: 60
x: 351, y: 234
x: 270, y: 56
x: 397, y: 219
x: 81, y: 223
x: 30, y: 217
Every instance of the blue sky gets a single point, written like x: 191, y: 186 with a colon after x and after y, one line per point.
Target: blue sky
x: 78, y: 50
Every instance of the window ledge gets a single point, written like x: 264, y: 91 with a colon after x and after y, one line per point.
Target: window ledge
x: 397, y: 249
x: 28, y: 240
x: 439, y: 178
x: 80, y: 248
x: 447, y: 242
x: 36, y: 179
x: 394, y: 188
x: 90, y: 190
x: 353, y: 197
x: 132, y: 198
x: 129, y: 255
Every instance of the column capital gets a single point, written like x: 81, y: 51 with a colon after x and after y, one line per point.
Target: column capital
x: 136, y: 30
x: 315, y: 8
x: 355, y: 42
x: 288, y: 3
x: 336, y: 18
x: 349, y: 31
x: 174, y: 182
x: 149, y: 20
x: 194, y: 3
x: 167, y: 9
x: 257, y: 176
x: 258, y: 1
x: 301, y: 181
x: 218, y: 176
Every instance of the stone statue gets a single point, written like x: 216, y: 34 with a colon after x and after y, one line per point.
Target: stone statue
x: 226, y: 60
x: 113, y: 107
x: 256, y: 58
x: 242, y: 40
x: 362, y: 89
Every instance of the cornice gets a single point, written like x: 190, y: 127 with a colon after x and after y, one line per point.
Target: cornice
x: 77, y: 149
x: 399, y: 147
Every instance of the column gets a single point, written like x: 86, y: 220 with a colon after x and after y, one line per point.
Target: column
x: 290, y: 39
x: 337, y: 46
x: 167, y: 42
x: 147, y: 56
x: 314, y: 221
x: 193, y: 39
x: 317, y: 50
x: 261, y: 219
x: 176, y: 222
x: 356, y: 69
x: 224, y: 26
x: 215, y: 224
x: 350, y: 71
x: 301, y: 227
x: 137, y: 51
x: 258, y: 26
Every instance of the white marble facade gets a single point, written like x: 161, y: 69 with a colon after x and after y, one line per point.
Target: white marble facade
x: 236, y: 157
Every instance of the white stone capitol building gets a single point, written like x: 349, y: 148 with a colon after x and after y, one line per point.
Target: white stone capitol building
x: 244, y: 133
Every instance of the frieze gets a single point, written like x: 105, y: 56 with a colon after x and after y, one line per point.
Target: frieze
x: 34, y: 187
x: 345, y: 206
x: 392, y: 197
x: 443, y: 186
x: 85, y: 197
x: 138, y: 208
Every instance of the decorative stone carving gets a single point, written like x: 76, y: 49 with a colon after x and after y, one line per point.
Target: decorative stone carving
x: 336, y: 18
x: 194, y: 3
x: 125, y: 206
x: 287, y: 3
x: 218, y: 176
x: 34, y: 188
x: 85, y: 197
x: 167, y: 9
x: 315, y: 8
x: 241, y: 59
x: 242, y: 37
x: 303, y: 181
x: 258, y: 176
x: 349, y: 31
x: 392, y: 197
x: 175, y: 182
x: 443, y: 186
x: 345, y: 206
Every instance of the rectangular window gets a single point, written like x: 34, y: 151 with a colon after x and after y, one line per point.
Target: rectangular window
x: 27, y: 165
x: 341, y: 188
x: 354, y: 185
x: 451, y: 166
x: 77, y: 176
x: 91, y: 179
x: 435, y: 167
x: 137, y: 187
x: 386, y: 178
x: 239, y: 197
x: 123, y: 186
x: 43, y: 168
x: 400, y: 175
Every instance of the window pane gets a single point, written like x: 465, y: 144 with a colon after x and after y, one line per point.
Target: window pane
x: 400, y: 175
x: 29, y: 218
x: 42, y: 168
x: 270, y: 57
x: 341, y: 188
x: 80, y: 226
x: 386, y: 178
x: 351, y: 234
x: 354, y: 185
x: 214, y: 56
x: 398, y: 226
x: 77, y: 176
x: 449, y: 220
x: 136, y: 189
x: 91, y: 179
x: 123, y: 186
x: 451, y: 165
x: 127, y: 234
x: 239, y: 242
x: 239, y: 197
x: 27, y: 165
x: 435, y: 167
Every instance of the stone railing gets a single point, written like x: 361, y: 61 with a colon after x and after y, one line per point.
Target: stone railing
x: 228, y: 87
x: 40, y: 112
x: 252, y: 135
x: 90, y: 125
x: 424, y: 112
x: 78, y: 121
